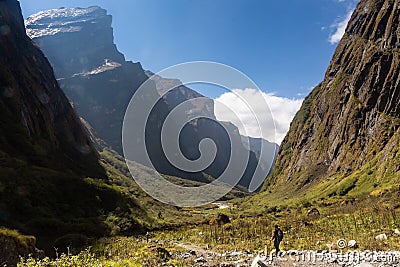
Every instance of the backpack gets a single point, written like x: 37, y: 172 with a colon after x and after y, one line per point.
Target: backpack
x: 280, y: 235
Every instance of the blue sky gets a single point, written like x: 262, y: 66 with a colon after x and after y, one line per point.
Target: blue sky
x: 284, y: 46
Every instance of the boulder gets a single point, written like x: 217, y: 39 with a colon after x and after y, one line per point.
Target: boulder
x: 223, y: 219
x: 161, y: 252
x: 381, y: 237
x: 352, y: 244
x: 200, y: 260
x: 14, y: 245
x: 192, y: 252
x: 313, y: 211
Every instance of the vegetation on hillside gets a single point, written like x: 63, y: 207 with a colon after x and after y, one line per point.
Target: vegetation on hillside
x: 249, y: 231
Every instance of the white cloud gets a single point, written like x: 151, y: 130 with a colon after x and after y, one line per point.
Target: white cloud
x: 340, y: 28
x: 248, y: 108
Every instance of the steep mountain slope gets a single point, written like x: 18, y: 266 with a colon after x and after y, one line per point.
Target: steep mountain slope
x: 201, y: 128
x: 79, y: 44
x: 52, y: 182
x: 99, y: 81
x: 180, y: 94
x: 345, y: 138
x: 38, y: 118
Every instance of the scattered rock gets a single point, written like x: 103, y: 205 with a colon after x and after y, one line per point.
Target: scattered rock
x: 185, y: 255
x: 381, y: 237
x: 162, y: 253
x: 200, y: 260
x: 312, y: 212
x: 396, y: 231
x: 352, y: 244
x: 236, y: 254
x: 271, y: 210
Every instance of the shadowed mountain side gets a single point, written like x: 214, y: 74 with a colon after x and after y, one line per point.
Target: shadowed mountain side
x: 37, y: 117
x: 52, y: 184
x: 219, y: 132
x: 100, y: 83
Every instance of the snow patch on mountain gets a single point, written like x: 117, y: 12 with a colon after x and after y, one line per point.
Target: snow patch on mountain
x: 53, y: 21
x: 107, y: 66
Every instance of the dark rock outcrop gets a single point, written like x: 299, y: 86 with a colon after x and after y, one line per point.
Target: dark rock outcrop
x: 354, y: 114
x: 13, y: 246
x: 36, y: 115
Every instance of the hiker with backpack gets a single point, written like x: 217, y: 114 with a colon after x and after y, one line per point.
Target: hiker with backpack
x: 277, y: 237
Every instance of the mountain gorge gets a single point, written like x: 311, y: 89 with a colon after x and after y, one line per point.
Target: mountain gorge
x: 100, y: 82
x: 63, y: 178
x: 345, y: 138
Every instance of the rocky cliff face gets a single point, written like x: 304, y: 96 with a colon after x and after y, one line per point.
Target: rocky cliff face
x: 92, y: 72
x: 46, y: 157
x: 353, y: 117
x: 14, y: 245
x: 70, y: 25
x: 100, y: 83
x: 36, y: 115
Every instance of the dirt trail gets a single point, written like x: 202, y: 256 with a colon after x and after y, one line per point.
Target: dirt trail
x: 197, y: 249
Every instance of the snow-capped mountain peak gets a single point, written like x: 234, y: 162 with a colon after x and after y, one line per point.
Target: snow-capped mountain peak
x: 63, y: 20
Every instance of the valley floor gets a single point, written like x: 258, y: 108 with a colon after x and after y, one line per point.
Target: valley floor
x: 138, y: 252
x: 344, y: 234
